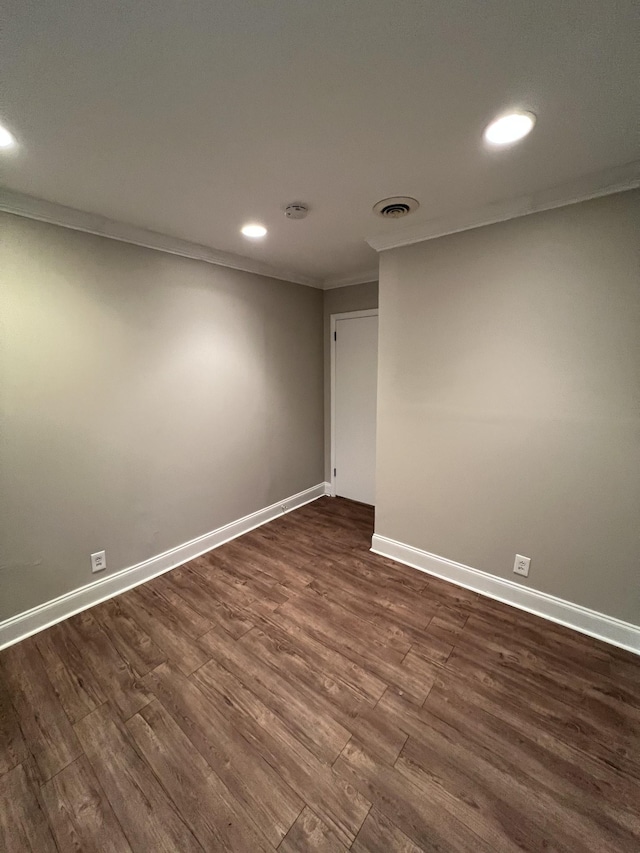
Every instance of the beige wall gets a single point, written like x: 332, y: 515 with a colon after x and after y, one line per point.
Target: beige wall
x: 357, y: 297
x: 509, y: 400
x: 145, y: 399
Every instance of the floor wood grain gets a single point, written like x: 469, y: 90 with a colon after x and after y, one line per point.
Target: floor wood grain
x: 207, y: 722
x: 76, y: 686
x: 148, y: 817
x: 79, y: 814
x: 23, y: 825
x: 292, y: 691
x: 13, y: 749
x: 380, y: 835
x: 44, y: 724
x: 310, y: 835
x: 218, y: 820
x: 112, y: 672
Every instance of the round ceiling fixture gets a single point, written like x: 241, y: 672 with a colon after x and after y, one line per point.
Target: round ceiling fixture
x: 7, y: 139
x: 253, y: 230
x: 296, y: 210
x: 396, y: 207
x: 509, y: 128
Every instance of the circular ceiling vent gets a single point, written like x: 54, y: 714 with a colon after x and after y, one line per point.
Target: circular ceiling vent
x: 394, y: 208
x: 296, y: 210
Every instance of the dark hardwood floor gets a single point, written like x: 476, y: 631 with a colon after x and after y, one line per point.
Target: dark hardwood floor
x: 291, y: 690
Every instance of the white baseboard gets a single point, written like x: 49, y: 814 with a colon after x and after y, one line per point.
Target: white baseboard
x: 38, y: 618
x: 590, y: 622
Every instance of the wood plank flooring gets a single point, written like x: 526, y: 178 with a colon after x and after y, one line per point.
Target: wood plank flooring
x: 292, y: 691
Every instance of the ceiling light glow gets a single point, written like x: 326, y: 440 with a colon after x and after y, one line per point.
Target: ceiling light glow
x: 7, y: 140
x: 509, y: 128
x: 253, y: 230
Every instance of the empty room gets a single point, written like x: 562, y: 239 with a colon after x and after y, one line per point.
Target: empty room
x: 320, y: 426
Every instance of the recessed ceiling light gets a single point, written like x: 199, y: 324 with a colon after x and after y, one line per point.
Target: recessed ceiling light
x: 253, y: 230
x: 509, y: 128
x: 7, y: 140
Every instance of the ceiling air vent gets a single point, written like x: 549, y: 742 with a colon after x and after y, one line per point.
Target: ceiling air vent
x: 394, y: 208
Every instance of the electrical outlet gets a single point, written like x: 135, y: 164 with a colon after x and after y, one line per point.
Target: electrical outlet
x: 98, y: 561
x: 521, y: 565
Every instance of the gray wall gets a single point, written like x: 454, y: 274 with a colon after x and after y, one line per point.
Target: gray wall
x: 145, y: 400
x: 357, y: 297
x: 509, y: 400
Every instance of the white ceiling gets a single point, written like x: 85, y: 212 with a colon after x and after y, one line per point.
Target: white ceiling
x: 191, y: 117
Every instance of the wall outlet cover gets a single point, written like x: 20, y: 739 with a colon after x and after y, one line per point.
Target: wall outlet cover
x: 521, y: 565
x: 98, y: 561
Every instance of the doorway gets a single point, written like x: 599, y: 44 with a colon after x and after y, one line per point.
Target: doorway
x: 354, y: 380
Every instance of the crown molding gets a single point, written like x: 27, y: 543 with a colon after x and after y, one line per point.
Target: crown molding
x: 347, y: 281
x: 91, y: 223
x: 611, y: 181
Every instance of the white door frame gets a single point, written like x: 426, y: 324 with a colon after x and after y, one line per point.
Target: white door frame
x: 346, y: 315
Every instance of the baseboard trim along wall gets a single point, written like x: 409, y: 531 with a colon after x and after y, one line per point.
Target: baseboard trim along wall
x: 38, y: 618
x: 590, y: 622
